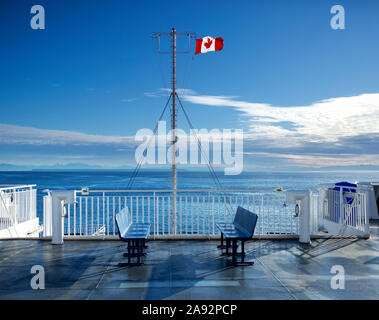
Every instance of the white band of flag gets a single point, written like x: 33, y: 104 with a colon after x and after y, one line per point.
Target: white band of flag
x: 208, y: 44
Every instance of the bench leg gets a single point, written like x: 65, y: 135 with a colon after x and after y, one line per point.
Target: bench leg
x: 143, y: 253
x: 242, y: 254
x: 242, y: 251
x: 221, y: 245
x: 234, y: 251
x: 129, y: 253
x: 138, y: 252
x: 132, y: 246
x: 227, y: 253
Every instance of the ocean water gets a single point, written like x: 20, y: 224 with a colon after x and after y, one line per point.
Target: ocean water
x: 159, y: 179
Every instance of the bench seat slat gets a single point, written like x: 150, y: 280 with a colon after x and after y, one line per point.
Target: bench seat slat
x: 135, y: 232
x: 231, y: 231
x: 224, y: 225
x: 242, y: 229
x: 236, y: 234
x: 130, y: 230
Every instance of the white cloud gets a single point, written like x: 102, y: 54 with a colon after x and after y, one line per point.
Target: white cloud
x: 333, y: 132
x: 13, y: 134
x: 154, y: 94
x: 128, y: 99
x: 180, y: 91
x: 322, y: 160
x: 165, y: 92
x: 325, y: 121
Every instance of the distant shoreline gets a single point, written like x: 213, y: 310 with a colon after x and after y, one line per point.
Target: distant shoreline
x: 190, y: 170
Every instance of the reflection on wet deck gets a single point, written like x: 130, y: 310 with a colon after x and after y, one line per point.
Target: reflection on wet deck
x: 191, y: 270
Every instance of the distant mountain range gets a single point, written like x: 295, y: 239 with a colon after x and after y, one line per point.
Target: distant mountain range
x: 58, y: 166
x: 83, y: 166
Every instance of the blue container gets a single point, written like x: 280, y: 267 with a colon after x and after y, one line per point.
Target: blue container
x: 347, y: 189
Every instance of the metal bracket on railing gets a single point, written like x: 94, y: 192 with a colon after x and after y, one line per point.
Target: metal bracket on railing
x: 297, y: 210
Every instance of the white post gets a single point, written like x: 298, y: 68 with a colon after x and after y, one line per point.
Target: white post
x: 304, y: 226
x: 15, y: 206
x: 58, y: 197
x: 364, y: 207
x: 47, y: 215
x: 30, y: 213
x: 342, y: 209
x: 57, y: 221
x: 305, y: 210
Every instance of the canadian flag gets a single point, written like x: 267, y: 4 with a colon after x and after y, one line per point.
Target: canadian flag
x: 207, y: 44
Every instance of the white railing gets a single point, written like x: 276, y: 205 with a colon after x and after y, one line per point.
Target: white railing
x: 342, y: 211
x: 198, y: 211
x: 17, y: 205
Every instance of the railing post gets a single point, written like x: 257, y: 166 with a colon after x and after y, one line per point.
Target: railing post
x: 262, y: 214
x: 16, y: 206
x: 366, y: 217
x: 213, y: 214
x: 209, y: 209
x: 80, y: 215
x: 154, y: 213
x: 342, y: 210
x: 47, y: 215
x: 105, y: 230
x: 15, y: 209
x: 30, y: 214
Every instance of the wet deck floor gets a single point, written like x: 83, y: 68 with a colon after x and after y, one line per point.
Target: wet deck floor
x: 191, y: 270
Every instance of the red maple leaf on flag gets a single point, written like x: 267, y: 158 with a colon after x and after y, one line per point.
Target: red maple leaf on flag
x: 208, y: 43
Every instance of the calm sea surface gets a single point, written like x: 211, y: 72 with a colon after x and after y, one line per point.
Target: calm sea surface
x: 154, y: 179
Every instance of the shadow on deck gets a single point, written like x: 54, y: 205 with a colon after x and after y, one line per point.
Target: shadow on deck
x: 190, y: 270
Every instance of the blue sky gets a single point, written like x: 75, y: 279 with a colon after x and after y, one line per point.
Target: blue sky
x: 305, y: 95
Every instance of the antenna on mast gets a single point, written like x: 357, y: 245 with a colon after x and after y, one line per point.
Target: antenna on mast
x: 173, y: 36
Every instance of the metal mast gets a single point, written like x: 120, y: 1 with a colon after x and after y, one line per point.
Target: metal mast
x: 173, y: 35
x: 173, y: 128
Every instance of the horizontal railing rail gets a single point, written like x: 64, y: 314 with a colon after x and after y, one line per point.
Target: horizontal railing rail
x: 17, y: 205
x: 198, y: 211
x: 7, y: 187
x: 346, y: 208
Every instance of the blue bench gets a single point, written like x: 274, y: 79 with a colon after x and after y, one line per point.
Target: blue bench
x: 135, y: 234
x: 242, y: 229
